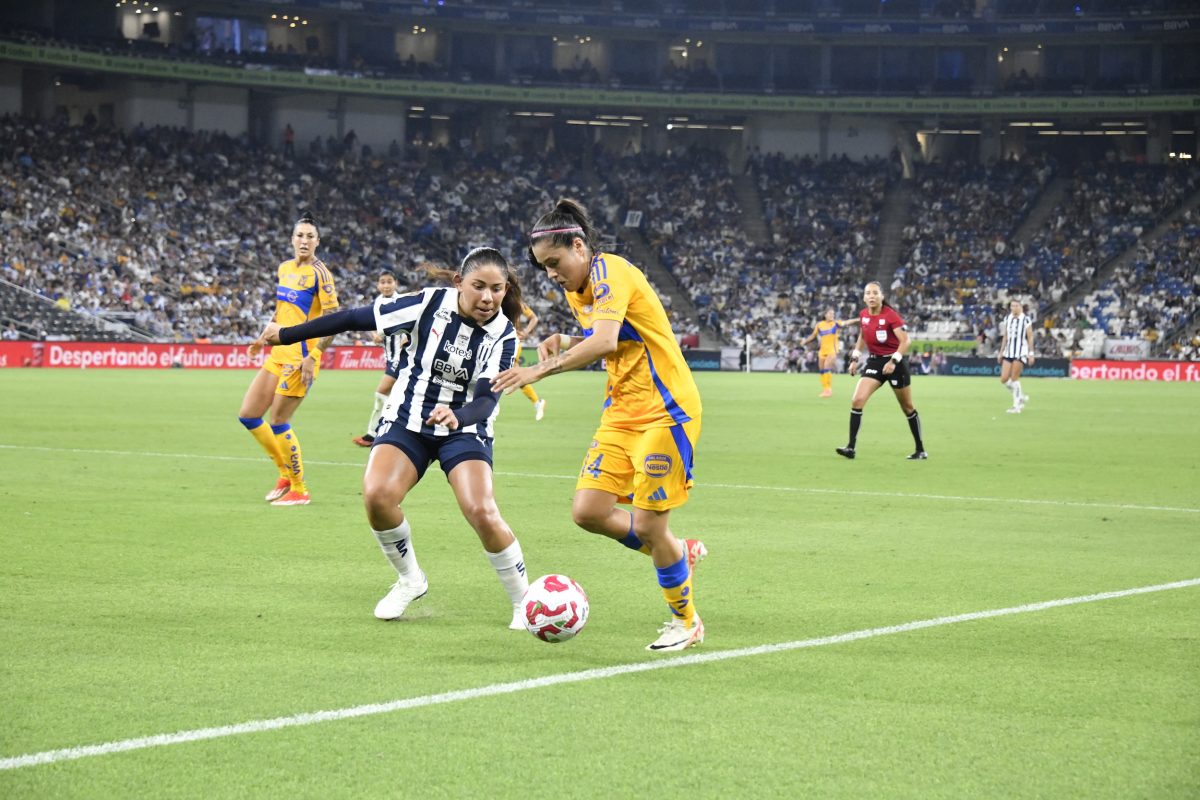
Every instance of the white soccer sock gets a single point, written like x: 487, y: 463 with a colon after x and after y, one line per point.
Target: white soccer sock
x: 509, y: 564
x: 1007, y: 385
x: 397, y: 547
x: 376, y: 413
x: 1016, y: 390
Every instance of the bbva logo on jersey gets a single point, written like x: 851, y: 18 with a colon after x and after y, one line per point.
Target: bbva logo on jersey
x: 459, y: 374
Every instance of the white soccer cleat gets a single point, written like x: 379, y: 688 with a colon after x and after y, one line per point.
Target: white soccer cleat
x: 1024, y: 399
x: 397, y: 600
x: 1013, y: 410
x: 673, y: 636
x: 518, y: 618
x: 539, y: 410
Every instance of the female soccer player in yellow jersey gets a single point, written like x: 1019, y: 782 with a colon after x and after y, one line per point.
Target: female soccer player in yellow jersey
x: 826, y: 331
x: 530, y: 320
x: 304, y: 291
x: 643, y: 450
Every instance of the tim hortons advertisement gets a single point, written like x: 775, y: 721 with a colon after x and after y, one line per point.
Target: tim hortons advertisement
x: 126, y: 355
x: 1166, y: 371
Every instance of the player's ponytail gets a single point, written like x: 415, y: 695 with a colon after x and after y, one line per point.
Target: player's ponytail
x: 307, y: 219
x: 564, y: 223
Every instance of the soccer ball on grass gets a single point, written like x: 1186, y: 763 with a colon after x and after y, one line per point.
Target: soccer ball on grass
x: 556, y: 608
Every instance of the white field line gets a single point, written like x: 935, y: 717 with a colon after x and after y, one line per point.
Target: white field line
x: 492, y: 690
x: 706, y: 485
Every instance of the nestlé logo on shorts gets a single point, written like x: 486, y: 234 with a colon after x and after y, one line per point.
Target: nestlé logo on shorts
x: 657, y: 465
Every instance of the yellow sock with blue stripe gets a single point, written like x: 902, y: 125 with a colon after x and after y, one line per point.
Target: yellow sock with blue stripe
x: 289, y: 446
x: 528, y: 391
x: 266, y: 438
x: 827, y: 379
x: 676, y: 583
x: 633, y: 541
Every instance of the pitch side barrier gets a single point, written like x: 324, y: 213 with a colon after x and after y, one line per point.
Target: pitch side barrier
x: 130, y: 355
x: 989, y: 367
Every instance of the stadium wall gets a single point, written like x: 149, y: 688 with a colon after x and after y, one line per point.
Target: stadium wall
x: 10, y: 89
x: 812, y: 135
x: 221, y: 108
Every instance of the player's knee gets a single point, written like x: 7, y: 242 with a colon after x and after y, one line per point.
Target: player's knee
x: 588, y: 518
x: 483, y: 516
x: 379, y: 497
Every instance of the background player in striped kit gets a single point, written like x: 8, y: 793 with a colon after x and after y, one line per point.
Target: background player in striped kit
x: 826, y: 331
x: 392, y: 345
x: 442, y: 408
x: 643, y: 450
x: 304, y: 290
x: 1016, y: 351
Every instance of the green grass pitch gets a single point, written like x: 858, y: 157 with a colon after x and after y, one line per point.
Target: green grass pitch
x: 146, y: 588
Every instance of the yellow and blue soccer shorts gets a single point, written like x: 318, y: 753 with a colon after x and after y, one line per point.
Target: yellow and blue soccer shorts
x: 290, y: 382
x: 652, y: 469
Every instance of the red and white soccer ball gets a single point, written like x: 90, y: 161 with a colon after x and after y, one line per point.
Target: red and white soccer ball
x: 556, y: 608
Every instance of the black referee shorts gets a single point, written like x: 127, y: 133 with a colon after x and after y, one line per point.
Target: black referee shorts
x: 899, y: 377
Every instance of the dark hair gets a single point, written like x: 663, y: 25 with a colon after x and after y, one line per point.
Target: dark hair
x: 569, y: 220
x: 307, y: 219
x: 387, y: 273
x: 485, y: 257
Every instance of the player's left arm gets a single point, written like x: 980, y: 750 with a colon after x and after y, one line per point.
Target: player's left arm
x: 1029, y: 340
x: 901, y: 351
x: 601, y: 343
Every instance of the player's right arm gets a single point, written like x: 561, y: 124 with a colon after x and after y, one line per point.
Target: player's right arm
x: 856, y: 355
x: 815, y: 333
x: 1003, y: 343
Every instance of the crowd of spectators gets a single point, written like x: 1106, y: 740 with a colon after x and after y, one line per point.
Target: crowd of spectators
x: 960, y: 245
x: 178, y: 234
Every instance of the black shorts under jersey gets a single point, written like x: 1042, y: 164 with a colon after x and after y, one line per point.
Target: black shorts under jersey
x: 899, y: 377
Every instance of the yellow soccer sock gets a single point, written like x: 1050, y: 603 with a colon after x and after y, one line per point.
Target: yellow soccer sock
x: 827, y: 380
x: 676, y: 583
x: 266, y: 438
x: 289, y: 446
x: 530, y: 393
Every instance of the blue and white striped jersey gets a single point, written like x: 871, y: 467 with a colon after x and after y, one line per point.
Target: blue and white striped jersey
x: 392, y: 345
x: 446, y: 355
x: 1015, y: 328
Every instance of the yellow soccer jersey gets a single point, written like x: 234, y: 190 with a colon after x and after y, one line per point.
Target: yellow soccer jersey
x: 304, y: 292
x: 827, y: 333
x: 649, y: 383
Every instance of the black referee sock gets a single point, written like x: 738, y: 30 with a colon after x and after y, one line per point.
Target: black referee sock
x: 914, y: 425
x: 855, y: 421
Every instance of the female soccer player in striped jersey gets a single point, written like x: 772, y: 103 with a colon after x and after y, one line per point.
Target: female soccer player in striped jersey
x: 392, y: 345
x: 827, y: 332
x: 304, y: 291
x: 643, y: 450
x: 442, y: 408
x: 883, y: 333
x: 1016, y: 351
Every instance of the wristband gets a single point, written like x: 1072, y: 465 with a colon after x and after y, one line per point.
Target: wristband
x: 897, y: 357
x: 855, y: 355
x: 564, y: 341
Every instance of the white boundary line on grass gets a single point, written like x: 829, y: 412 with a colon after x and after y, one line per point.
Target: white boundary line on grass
x: 492, y: 690
x: 706, y: 485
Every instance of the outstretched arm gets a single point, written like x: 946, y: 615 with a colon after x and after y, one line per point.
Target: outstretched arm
x: 601, y: 343
x: 351, y: 319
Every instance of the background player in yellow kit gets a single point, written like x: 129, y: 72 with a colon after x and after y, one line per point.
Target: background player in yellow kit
x: 529, y: 321
x: 304, y: 291
x: 826, y: 331
x: 643, y: 450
